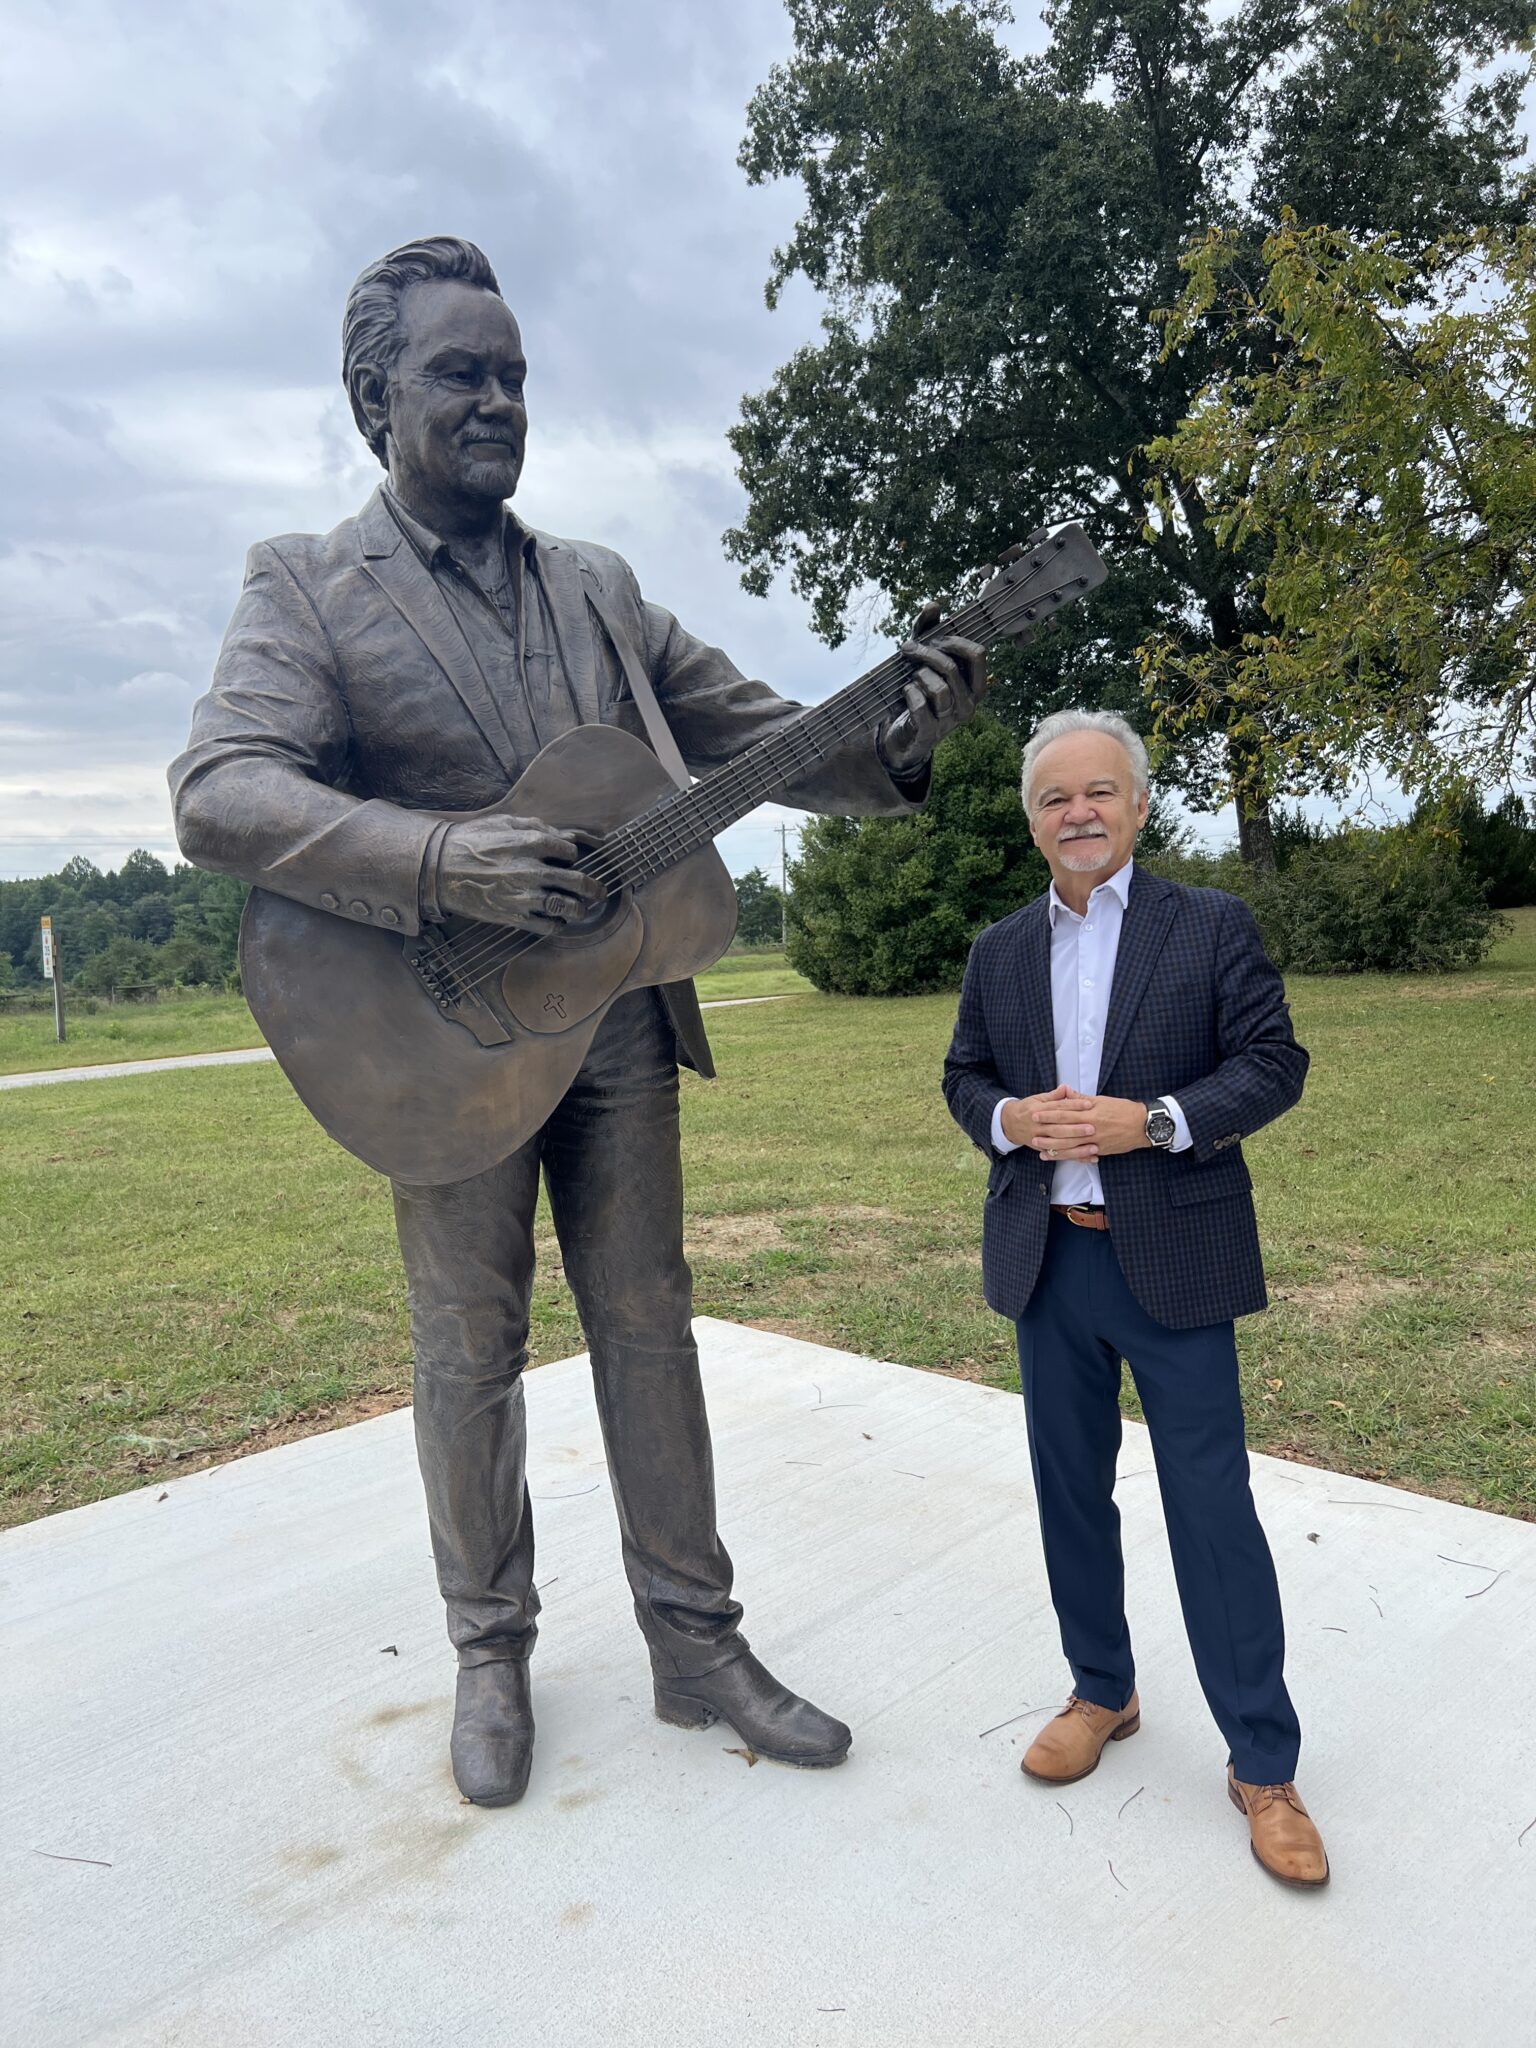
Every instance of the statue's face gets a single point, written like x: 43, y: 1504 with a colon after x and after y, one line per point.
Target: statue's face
x: 457, y: 422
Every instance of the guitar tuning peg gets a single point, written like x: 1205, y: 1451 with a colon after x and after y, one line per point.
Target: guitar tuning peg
x: 1011, y: 554
x: 1040, y: 533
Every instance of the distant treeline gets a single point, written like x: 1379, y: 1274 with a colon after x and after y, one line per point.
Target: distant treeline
x: 143, y: 926
x: 149, y: 926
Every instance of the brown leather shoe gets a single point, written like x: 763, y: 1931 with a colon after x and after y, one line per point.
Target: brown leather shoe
x: 1069, y: 1747
x: 1285, y: 1837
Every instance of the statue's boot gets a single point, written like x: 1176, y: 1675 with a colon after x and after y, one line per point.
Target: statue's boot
x: 492, y: 1743
x: 773, y: 1722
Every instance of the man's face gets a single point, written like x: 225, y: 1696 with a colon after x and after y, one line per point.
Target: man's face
x: 1084, y: 809
x: 457, y: 422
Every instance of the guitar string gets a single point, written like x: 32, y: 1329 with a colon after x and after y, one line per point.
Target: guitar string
x: 673, y: 841
x: 673, y: 838
x: 650, y: 842
x: 705, y: 799
x: 628, y: 859
x: 713, y: 801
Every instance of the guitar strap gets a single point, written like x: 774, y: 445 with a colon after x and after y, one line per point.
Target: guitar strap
x: 680, y: 997
x: 657, y: 731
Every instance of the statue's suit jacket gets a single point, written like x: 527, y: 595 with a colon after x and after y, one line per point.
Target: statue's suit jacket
x: 1196, y: 1010
x: 347, y: 702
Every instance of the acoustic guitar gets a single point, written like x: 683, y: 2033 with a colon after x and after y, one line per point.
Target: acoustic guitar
x: 432, y: 1058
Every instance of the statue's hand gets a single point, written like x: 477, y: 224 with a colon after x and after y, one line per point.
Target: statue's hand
x: 516, y: 871
x: 948, y: 681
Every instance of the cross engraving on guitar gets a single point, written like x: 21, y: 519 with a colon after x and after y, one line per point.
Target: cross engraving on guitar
x: 432, y: 1058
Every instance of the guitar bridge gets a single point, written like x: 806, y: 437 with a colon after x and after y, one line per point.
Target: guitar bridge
x: 437, y: 967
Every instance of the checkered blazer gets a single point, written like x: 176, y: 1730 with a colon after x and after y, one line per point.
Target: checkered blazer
x: 1196, y: 1011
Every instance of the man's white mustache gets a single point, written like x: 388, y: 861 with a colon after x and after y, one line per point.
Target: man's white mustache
x: 1089, y: 832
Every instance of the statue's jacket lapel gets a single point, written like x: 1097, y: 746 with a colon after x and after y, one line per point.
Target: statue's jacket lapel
x: 395, y: 700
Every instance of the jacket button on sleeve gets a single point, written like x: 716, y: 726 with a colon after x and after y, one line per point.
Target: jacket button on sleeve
x: 358, y: 907
x: 330, y: 902
x: 389, y: 915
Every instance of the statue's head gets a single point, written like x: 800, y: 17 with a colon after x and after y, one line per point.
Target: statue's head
x: 433, y: 364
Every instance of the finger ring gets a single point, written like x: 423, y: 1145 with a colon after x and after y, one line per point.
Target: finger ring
x: 1048, y: 1155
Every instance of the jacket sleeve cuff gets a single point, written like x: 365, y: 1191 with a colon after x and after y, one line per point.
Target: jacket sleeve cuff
x: 1182, y: 1138
x: 911, y: 784
x: 428, y: 904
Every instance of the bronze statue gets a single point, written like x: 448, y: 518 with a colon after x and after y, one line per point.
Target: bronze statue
x: 380, y: 691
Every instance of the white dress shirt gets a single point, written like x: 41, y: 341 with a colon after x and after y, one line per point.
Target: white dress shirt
x: 1083, y: 954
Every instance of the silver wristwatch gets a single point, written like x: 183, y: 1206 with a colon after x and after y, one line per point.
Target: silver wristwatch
x: 1161, y: 1128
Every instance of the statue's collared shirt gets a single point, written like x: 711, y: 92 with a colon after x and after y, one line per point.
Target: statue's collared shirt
x: 509, y: 624
x: 510, y: 630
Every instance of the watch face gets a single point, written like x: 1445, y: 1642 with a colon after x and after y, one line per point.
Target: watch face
x: 1160, y: 1127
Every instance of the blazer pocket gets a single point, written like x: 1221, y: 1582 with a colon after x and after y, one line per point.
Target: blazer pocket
x: 1217, y: 1180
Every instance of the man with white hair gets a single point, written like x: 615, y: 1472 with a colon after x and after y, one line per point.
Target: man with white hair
x: 1116, y: 1041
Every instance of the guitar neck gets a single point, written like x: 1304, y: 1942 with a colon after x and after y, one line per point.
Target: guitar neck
x: 679, y: 824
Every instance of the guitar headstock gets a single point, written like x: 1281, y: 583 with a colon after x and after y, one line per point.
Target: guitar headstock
x: 1037, y: 578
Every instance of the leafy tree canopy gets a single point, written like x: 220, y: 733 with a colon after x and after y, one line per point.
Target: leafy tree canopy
x: 1382, y: 458
x: 994, y: 236
x: 759, y: 910
x: 143, y: 923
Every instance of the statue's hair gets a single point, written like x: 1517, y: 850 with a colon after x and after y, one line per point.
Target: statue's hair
x: 370, y: 327
x: 1062, y: 722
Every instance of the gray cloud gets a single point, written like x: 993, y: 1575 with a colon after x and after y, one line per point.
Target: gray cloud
x: 188, y: 191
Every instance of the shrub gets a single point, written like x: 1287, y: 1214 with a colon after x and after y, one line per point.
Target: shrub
x: 1397, y: 901
x: 889, y: 906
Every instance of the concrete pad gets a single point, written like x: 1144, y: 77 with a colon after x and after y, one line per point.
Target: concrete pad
x: 228, y: 1698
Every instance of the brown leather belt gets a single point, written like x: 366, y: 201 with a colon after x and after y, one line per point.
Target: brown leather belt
x: 1087, y: 1216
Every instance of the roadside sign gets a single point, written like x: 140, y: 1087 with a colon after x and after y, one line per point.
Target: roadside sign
x: 47, y: 924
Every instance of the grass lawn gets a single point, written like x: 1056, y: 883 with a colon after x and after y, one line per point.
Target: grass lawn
x: 219, y: 1023
x: 188, y: 1268
x: 124, y: 1031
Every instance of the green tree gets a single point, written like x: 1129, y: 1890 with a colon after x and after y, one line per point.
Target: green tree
x: 1380, y: 456
x: 121, y: 963
x: 186, y: 922
x: 141, y: 874
x: 994, y: 236
x: 1497, y: 846
x: 152, y: 917
x: 759, y: 909
x: 889, y: 906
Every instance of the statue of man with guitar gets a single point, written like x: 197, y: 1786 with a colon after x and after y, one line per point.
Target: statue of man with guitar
x: 474, y: 778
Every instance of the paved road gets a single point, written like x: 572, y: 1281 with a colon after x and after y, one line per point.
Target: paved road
x: 242, y: 1059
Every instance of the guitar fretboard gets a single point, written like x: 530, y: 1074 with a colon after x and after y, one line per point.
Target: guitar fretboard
x: 1039, y: 581
x: 682, y: 821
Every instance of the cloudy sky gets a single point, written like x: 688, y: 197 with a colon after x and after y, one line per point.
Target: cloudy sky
x: 188, y: 191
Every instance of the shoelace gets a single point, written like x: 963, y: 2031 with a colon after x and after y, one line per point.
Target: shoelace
x: 1262, y: 1797
x: 1087, y: 1708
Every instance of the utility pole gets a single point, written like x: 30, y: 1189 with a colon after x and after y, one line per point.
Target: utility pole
x: 783, y: 884
x: 51, y: 973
